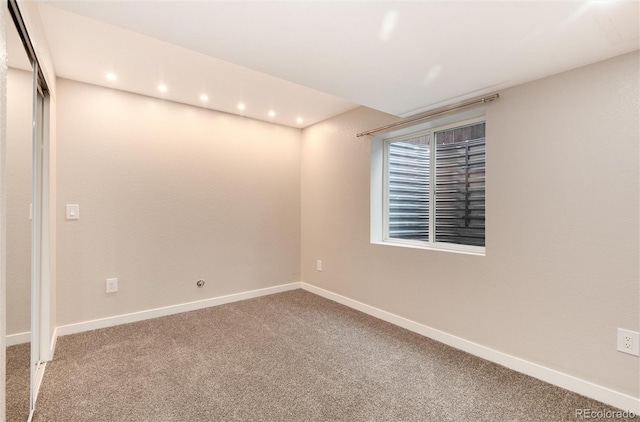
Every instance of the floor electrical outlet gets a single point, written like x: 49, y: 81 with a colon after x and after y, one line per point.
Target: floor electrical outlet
x: 628, y: 342
x: 112, y: 285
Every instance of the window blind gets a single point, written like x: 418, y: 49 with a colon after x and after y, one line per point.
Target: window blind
x: 408, y: 181
x: 460, y: 185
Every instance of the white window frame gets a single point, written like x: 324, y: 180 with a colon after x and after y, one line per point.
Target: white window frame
x: 380, y: 183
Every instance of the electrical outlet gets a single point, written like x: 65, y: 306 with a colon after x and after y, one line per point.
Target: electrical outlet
x: 628, y: 342
x: 319, y: 265
x: 112, y: 285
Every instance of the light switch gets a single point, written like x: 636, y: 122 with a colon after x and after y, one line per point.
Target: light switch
x: 73, y: 211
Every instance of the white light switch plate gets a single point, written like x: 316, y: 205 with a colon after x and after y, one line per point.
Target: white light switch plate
x: 73, y: 211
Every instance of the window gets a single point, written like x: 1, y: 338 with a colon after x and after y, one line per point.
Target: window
x: 433, y: 188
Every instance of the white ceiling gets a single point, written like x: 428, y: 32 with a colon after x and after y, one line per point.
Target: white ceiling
x: 316, y: 59
x: 86, y: 50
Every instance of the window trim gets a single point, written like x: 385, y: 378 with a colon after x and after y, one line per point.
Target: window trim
x: 380, y: 183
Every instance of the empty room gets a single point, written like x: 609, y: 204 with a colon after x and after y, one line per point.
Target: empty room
x: 319, y: 210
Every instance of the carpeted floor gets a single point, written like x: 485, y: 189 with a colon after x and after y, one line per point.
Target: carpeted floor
x: 17, y: 387
x: 292, y: 356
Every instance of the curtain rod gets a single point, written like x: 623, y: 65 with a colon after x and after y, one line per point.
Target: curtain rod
x: 431, y: 114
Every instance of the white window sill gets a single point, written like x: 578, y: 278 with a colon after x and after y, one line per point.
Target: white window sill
x: 461, y: 249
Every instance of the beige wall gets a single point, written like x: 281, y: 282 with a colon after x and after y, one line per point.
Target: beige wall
x: 561, y: 268
x: 169, y: 194
x: 18, y: 177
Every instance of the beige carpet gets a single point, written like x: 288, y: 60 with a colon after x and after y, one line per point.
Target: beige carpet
x: 17, y: 387
x: 291, y: 356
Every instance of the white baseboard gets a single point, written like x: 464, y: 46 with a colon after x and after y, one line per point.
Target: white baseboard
x: 568, y: 382
x: 19, y: 338
x: 170, y: 310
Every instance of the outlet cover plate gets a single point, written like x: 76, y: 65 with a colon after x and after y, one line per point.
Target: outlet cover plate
x: 628, y: 342
x: 112, y: 285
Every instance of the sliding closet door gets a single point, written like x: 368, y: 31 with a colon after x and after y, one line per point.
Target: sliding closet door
x: 19, y: 197
x: 32, y: 267
x: 36, y: 232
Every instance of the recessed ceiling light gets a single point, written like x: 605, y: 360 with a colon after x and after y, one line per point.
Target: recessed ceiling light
x: 204, y: 97
x: 112, y: 76
x: 272, y: 113
x: 241, y: 106
x: 299, y: 120
x: 162, y: 88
